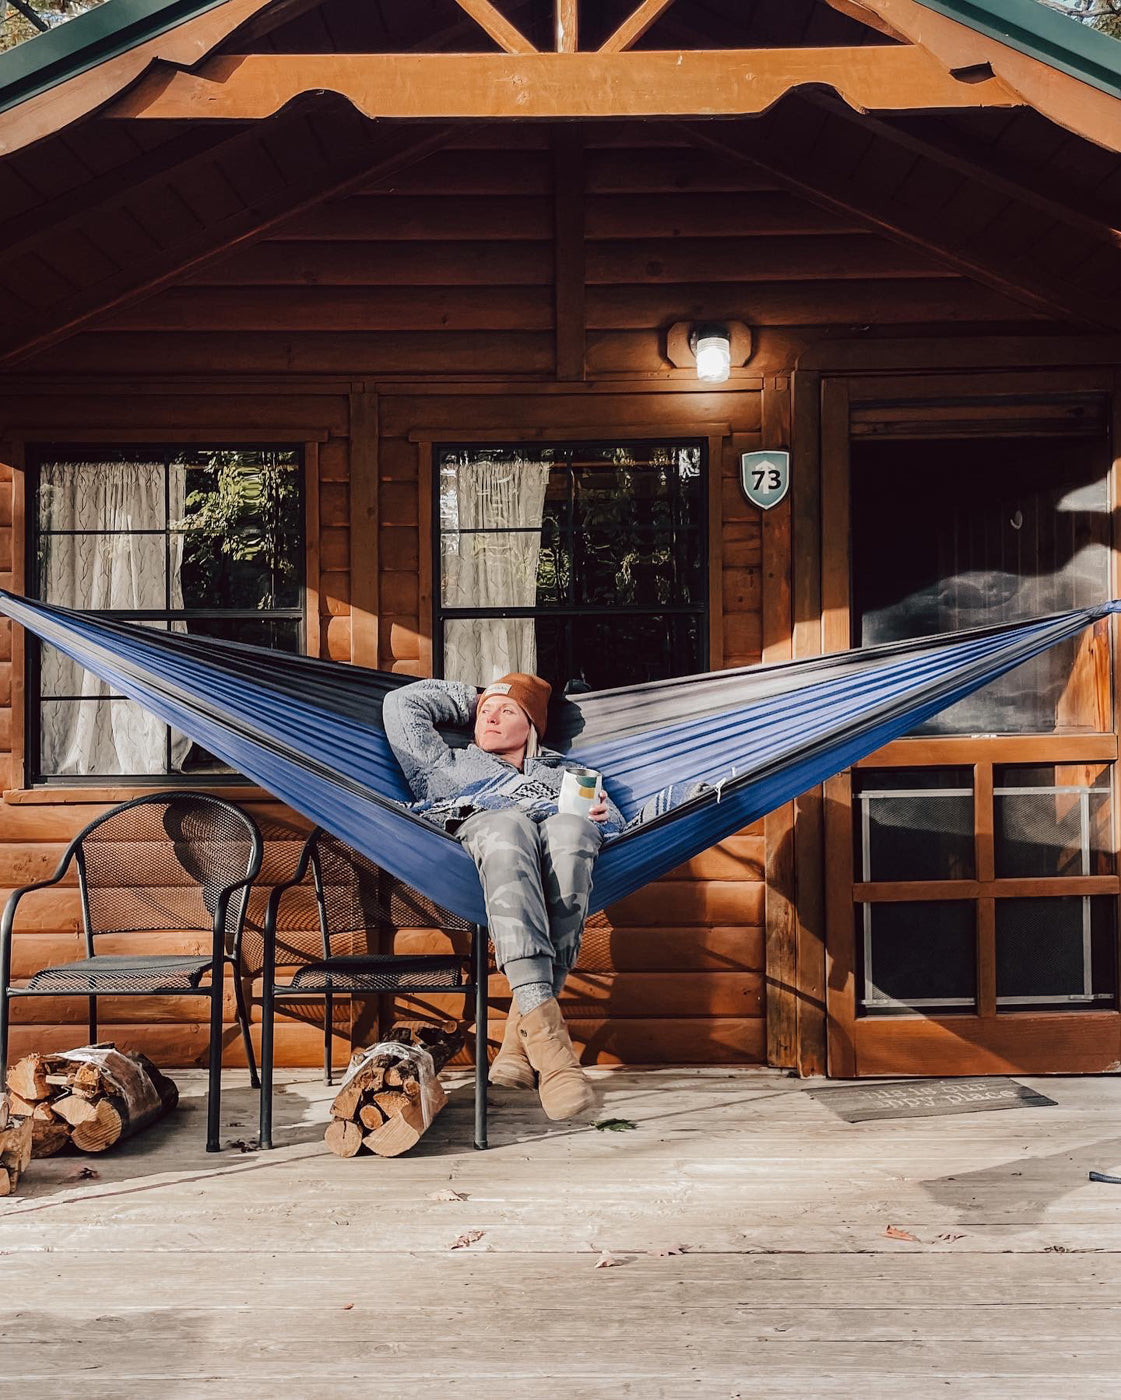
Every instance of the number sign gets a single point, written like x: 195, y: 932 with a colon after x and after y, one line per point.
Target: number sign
x: 765, y: 477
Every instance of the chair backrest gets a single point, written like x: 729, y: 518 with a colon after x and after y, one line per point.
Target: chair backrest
x: 163, y: 863
x: 356, y: 896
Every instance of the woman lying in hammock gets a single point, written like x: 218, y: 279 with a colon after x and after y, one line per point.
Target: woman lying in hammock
x: 499, y: 796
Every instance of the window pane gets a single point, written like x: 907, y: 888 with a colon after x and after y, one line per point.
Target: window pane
x: 919, y: 954
x: 1053, y: 820
x: 80, y: 737
x: 988, y: 531
x: 278, y: 633
x: 1051, y: 953
x: 104, y: 571
x: 914, y: 824
x: 602, y: 652
x: 241, y: 530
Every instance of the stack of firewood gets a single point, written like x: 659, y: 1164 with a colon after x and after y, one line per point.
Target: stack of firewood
x: 388, y: 1099
x: 15, y: 1148
x: 91, y: 1097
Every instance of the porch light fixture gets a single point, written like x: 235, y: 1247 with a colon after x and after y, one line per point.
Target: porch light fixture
x: 712, y: 345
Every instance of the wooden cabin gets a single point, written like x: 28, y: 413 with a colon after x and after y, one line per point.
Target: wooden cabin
x: 284, y: 279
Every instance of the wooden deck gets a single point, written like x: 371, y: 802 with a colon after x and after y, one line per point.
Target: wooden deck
x: 295, y: 1272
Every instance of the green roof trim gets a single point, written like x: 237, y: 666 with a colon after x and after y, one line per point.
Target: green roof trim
x: 48, y: 59
x: 1044, y: 34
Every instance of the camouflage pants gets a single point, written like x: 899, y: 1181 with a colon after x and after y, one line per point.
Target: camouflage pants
x: 536, y: 878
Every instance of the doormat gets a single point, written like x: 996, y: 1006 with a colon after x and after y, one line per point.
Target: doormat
x: 927, y: 1098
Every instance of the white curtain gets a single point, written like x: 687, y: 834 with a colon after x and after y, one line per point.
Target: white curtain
x: 105, y: 565
x: 492, y: 570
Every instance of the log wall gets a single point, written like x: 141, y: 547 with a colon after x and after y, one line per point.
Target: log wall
x: 433, y: 304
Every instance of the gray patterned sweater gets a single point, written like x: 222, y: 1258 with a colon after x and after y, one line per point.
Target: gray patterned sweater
x: 452, y: 783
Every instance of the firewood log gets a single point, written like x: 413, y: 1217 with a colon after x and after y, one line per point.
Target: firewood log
x: 93, y: 1097
x: 343, y: 1138
x: 384, y: 1101
x: 28, y: 1078
x: 15, y: 1148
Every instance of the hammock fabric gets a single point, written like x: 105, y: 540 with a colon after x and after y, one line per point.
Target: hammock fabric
x: 310, y: 732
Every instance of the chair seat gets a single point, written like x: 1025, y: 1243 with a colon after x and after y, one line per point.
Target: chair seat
x: 157, y: 972
x: 378, y: 973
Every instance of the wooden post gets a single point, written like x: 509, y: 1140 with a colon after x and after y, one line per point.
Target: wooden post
x: 809, y: 833
x: 365, y: 603
x: 778, y: 826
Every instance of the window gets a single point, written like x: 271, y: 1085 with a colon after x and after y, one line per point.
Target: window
x: 1006, y: 863
x: 207, y: 542
x: 584, y: 564
x: 958, y: 533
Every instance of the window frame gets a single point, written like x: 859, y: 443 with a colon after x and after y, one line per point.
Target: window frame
x: 35, y: 452
x: 702, y: 610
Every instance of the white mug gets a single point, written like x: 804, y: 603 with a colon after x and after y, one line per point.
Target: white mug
x: 578, y: 793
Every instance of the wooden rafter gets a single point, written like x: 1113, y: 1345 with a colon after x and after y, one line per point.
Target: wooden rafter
x: 635, y: 26
x: 355, y: 162
x: 504, y: 34
x: 802, y: 164
x: 730, y: 82
x: 1103, y: 226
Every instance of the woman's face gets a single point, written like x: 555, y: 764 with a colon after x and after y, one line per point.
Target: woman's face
x: 501, y: 726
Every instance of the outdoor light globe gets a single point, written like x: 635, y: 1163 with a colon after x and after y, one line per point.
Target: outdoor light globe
x: 714, y: 358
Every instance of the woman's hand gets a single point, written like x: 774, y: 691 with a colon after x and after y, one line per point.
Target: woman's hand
x: 598, y: 812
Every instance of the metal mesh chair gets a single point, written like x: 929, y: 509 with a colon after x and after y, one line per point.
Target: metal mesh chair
x: 169, y: 862
x: 358, y: 906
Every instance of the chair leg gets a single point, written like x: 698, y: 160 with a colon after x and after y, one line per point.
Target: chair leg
x: 93, y: 1020
x: 268, y: 1016
x: 243, y: 1021
x: 328, y: 1032
x: 480, y: 970
x: 214, y: 1092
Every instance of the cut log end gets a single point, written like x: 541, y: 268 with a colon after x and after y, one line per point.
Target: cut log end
x: 343, y: 1138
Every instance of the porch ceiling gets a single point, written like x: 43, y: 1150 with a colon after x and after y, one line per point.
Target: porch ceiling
x: 105, y: 210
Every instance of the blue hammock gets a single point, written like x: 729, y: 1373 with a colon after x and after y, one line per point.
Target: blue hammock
x: 309, y: 732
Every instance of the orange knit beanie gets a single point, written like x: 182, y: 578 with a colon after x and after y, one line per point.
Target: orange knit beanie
x: 530, y: 692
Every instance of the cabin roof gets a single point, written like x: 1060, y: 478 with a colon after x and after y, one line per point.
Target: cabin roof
x: 118, y: 26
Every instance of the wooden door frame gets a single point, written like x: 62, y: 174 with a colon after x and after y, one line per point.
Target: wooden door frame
x: 1094, y: 1039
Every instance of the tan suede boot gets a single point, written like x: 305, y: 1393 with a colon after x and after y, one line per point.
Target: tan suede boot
x: 561, y: 1084
x: 510, y: 1068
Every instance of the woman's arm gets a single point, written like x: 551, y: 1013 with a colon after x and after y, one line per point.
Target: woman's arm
x: 410, y: 716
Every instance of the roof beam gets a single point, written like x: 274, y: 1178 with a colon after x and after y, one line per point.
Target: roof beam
x: 504, y: 34
x: 635, y: 26
x: 1069, y: 101
x: 720, y: 83
x: 350, y: 162
x: 804, y: 162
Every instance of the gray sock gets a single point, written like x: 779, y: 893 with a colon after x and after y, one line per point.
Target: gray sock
x: 530, y: 995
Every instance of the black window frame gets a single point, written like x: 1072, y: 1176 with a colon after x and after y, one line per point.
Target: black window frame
x: 36, y: 455
x: 701, y: 610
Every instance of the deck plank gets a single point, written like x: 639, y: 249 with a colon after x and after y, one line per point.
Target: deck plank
x: 231, y: 1275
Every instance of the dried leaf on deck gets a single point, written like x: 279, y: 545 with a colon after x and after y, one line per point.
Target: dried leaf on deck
x: 347, y: 1307
x: 669, y: 1249
x: 614, y: 1125
x: 893, y: 1232
x: 447, y: 1195
x: 465, y: 1240
x: 82, y: 1174
x: 606, y: 1260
